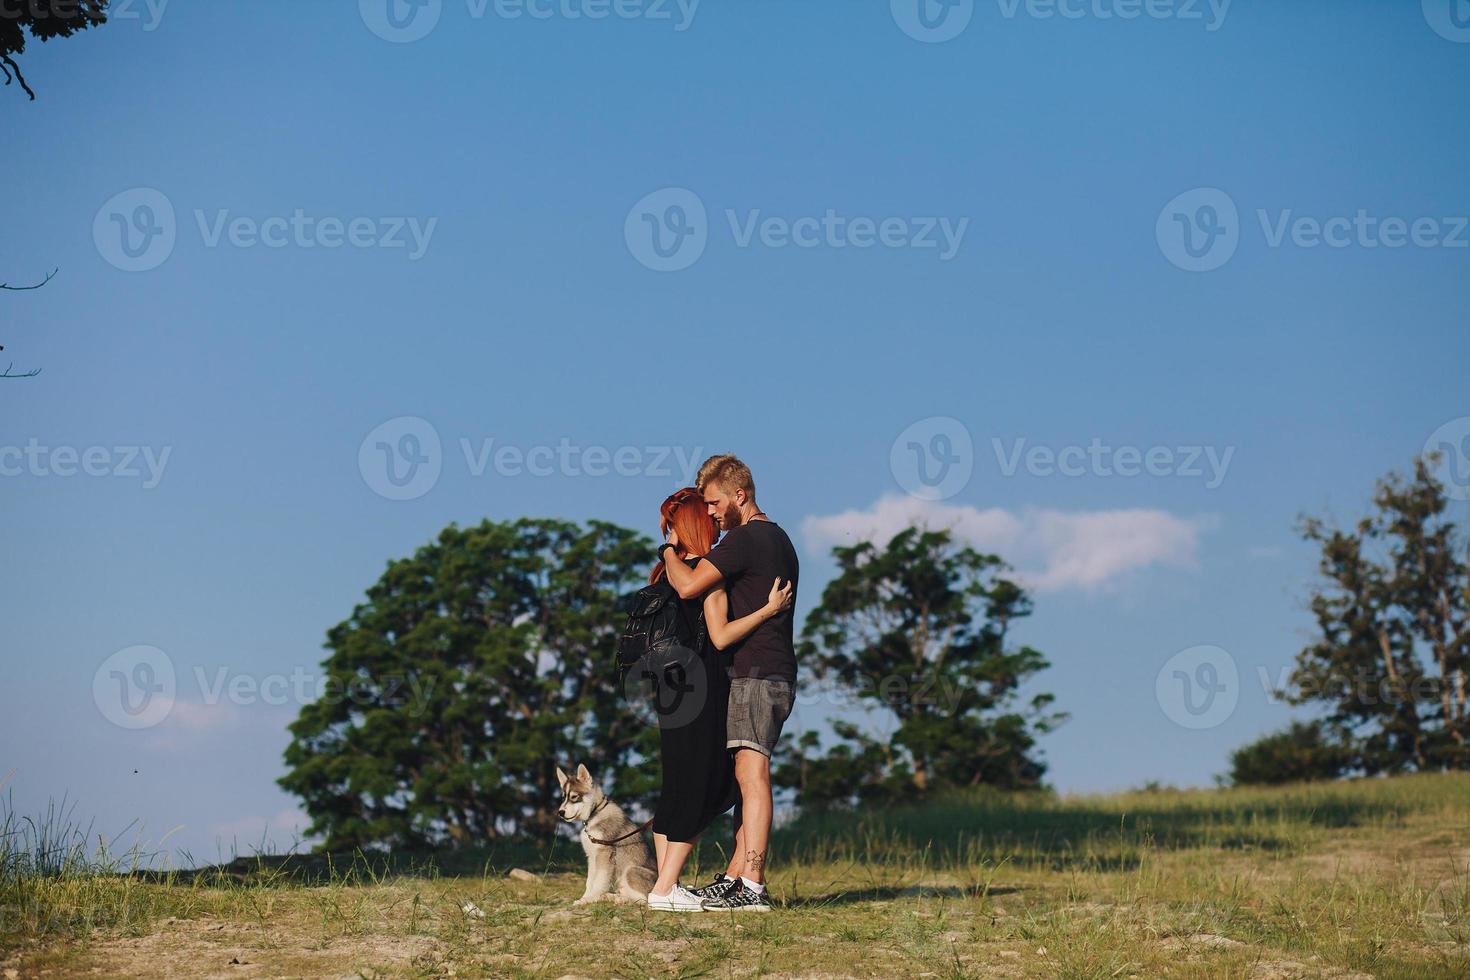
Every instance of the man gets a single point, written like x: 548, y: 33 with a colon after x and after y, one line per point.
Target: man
x: 753, y: 552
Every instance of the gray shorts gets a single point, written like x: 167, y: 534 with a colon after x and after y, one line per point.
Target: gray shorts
x: 759, y: 706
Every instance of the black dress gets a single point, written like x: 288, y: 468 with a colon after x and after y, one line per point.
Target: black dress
x: 691, y: 692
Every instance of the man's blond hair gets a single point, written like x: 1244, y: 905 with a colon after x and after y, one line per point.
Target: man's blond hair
x: 726, y: 470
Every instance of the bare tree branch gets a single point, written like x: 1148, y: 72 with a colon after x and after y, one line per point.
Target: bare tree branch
x: 5, y: 285
x: 7, y: 64
x: 49, y: 276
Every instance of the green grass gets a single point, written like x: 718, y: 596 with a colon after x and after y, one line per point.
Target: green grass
x: 1361, y: 878
x: 1118, y: 831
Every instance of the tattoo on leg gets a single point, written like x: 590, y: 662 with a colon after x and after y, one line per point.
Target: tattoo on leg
x: 755, y: 860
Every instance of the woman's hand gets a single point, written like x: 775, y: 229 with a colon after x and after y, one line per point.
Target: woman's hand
x: 780, y: 597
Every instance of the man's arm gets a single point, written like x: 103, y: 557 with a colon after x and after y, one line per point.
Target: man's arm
x: 691, y: 583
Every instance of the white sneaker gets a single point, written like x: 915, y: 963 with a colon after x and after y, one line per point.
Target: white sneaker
x: 679, y: 899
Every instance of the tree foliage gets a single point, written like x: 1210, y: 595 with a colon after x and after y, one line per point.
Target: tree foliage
x: 1392, y: 651
x: 919, y: 630
x: 469, y: 672
x: 1303, y: 752
x: 43, y: 20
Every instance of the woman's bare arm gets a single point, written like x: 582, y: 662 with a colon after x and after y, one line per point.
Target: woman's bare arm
x: 723, y: 632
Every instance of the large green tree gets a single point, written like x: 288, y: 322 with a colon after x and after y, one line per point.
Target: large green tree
x: 471, y: 670
x: 1389, y: 663
x: 919, y: 629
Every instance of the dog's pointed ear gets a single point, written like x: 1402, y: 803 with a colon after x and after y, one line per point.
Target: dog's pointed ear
x: 561, y: 778
x: 583, y: 776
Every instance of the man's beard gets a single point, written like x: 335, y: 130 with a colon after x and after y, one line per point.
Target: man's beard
x: 730, y: 518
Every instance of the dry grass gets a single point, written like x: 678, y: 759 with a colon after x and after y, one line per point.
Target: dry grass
x: 1350, y: 880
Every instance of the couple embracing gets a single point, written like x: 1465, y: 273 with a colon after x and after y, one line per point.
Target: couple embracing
x: 738, y: 688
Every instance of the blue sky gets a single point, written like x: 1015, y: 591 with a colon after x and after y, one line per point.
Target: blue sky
x: 1068, y: 157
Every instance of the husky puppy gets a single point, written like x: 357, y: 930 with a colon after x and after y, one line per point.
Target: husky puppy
x: 621, y: 872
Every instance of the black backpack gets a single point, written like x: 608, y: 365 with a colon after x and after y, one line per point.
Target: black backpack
x: 657, y: 626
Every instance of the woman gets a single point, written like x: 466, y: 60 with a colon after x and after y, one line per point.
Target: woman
x: 698, y: 774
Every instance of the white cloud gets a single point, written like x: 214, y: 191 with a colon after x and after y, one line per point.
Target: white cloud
x: 190, y: 725
x: 198, y: 716
x: 278, y: 832
x: 1050, y: 549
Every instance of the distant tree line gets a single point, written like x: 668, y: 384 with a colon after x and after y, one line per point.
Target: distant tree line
x: 475, y: 666
x: 1387, y: 667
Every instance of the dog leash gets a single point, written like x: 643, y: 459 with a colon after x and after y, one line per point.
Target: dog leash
x: 616, y: 841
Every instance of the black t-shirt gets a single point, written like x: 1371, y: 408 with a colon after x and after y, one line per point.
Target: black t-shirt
x: 750, y: 558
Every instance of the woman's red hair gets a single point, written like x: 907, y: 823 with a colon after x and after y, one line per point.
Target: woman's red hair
x: 686, y: 513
